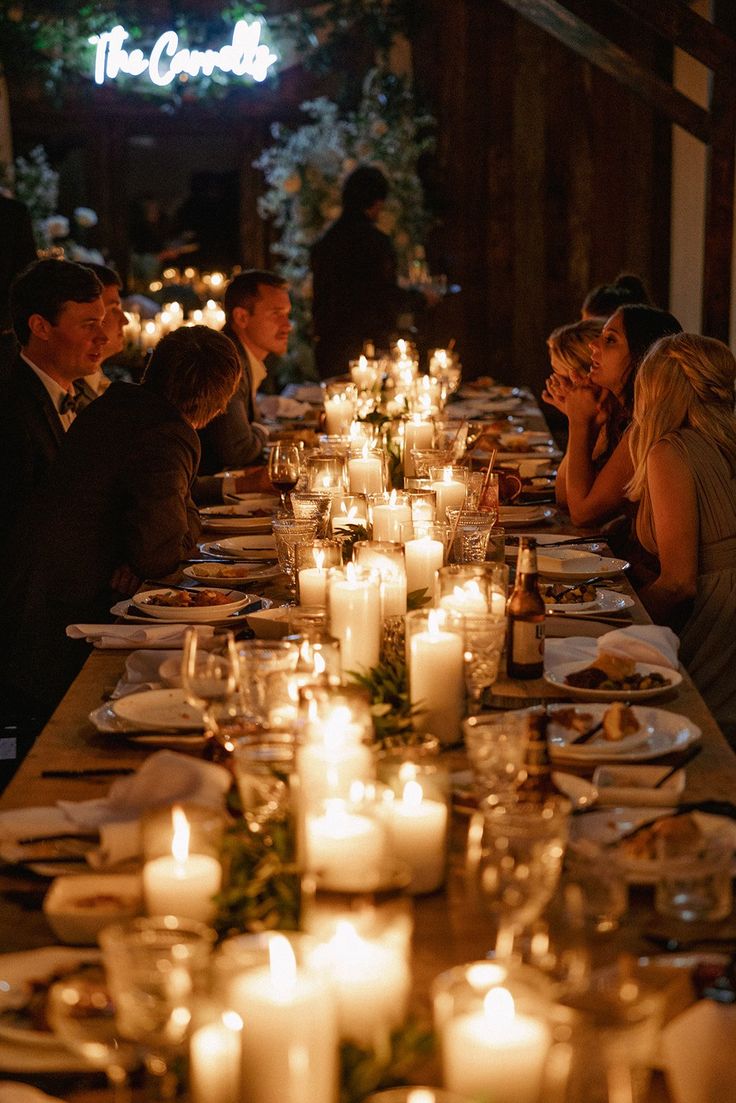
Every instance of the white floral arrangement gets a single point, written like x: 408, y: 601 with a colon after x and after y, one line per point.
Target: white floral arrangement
x: 32, y: 180
x: 306, y: 168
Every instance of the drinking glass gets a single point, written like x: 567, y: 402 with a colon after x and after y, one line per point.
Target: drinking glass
x: 514, y: 860
x: 312, y: 506
x: 258, y: 659
x: 289, y: 531
x: 694, y: 880
x: 82, y: 1014
x: 263, y: 764
x: 284, y: 465
x: 484, y: 636
x: 209, y: 678
x: 156, y: 968
x: 472, y: 533
x: 496, y: 745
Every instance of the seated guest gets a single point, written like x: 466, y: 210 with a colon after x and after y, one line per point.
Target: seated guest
x: 683, y: 443
x: 92, y: 386
x: 569, y: 357
x: 116, y: 509
x: 257, y: 309
x: 595, y: 479
x: 57, y: 315
x: 605, y: 300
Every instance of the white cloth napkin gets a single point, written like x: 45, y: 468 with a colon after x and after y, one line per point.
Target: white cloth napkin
x: 697, y: 1050
x: 141, y: 672
x: 133, y: 635
x: 644, y: 643
x: 273, y: 406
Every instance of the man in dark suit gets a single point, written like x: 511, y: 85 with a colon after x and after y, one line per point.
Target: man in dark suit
x: 57, y: 313
x: 116, y: 509
x: 356, y: 297
x: 257, y: 309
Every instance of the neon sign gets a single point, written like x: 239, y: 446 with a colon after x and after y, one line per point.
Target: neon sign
x: 244, y: 56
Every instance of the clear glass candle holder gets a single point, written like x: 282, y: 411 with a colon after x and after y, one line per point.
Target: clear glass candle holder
x: 484, y: 635
x: 367, y: 471
x: 281, y: 697
x: 425, y: 552
x: 387, y: 512
x: 434, y: 655
x: 423, y: 459
x: 496, y: 746
x: 423, y: 505
x: 450, y: 482
x: 336, y: 714
x: 313, y: 561
x: 258, y: 659
x: 354, y: 609
x: 326, y: 473
x: 340, y: 404
x: 473, y: 588
x: 417, y: 813
x: 387, y: 558
x: 349, y: 512
x: 263, y: 764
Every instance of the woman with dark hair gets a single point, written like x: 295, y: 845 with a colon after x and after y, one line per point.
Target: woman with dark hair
x: 625, y: 290
x: 599, y: 412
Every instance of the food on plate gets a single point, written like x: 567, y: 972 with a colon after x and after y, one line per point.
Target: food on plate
x: 592, y: 677
x: 482, y: 383
x: 615, y: 666
x: 619, y: 721
x: 573, y: 719
x: 188, y: 599
x: 522, y: 443
x: 32, y: 1012
x: 221, y: 570
x: 681, y: 832
x: 558, y: 593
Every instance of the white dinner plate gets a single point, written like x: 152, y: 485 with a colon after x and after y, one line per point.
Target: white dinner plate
x: 232, y: 574
x: 524, y: 515
x: 606, y: 601
x: 531, y: 439
x: 578, y: 564
x: 242, y: 547
x: 557, y: 674
x: 219, y: 519
x: 542, y: 451
x: 158, y: 708
x: 661, y: 732
x: 193, y: 614
x: 33, y: 967
x: 128, y: 612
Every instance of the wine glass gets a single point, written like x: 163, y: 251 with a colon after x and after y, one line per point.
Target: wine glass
x: 484, y: 635
x: 284, y: 465
x: 156, y: 969
x: 82, y: 1014
x: 209, y: 677
x: 514, y: 860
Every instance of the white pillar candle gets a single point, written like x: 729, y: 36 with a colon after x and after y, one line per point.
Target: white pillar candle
x: 450, y: 495
x: 365, y: 474
x: 423, y: 558
x: 436, y: 679
x: 417, y: 434
x: 371, y: 984
x: 339, y: 413
x: 355, y: 619
x: 417, y: 831
x: 289, y: 1035
x: 181, y: 883
x: 495, y: 1054
x: 345, y: 847
x: 347, y: 519
x: 465, y: 599
x: 388, y: 519
x: 326, y: 770
x: 498, y: 603
x: 313, y: 586
x: 214, y: 1061
x: 393, y: 594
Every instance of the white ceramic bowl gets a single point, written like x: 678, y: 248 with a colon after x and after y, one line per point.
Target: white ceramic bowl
x: 191, y: 613
x: 78, y: 906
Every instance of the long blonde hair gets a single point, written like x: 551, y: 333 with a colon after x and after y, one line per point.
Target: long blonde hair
x: 684, y: 381
x: 571, y: 343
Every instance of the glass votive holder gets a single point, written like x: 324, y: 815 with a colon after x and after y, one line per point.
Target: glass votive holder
x: 604, y: 895
x: 423, y: 505
x: 354, y: 609
x: 387, y: 558
x: 425, y: 552
x: 362, y: 941
x: 313, y: 561
x: 495, y: 1031
x: 182, y: 873
x: 258, y: 659
x: 425, y: 458
x: 345, y: 838
x: 360, y: 434
x: 471, y: 535
x: 335, y: 715
x: 417, y: 815
x: 263, y: 764
x: 319, y: 652
x: 473, y: 588
x: 349, y: 511
x: 281, y: 697
x: 418, y: 434
x: 367, y: 471
x: 694, y: 877
x: 326, y: 473
x: 434, y: 655
x: 365, y: 373
x: 387, y: 513
x: 496, y: 746
x: 340, y: 410
x: 312, y: 505
x: 450, y: 483
x: 215, y: 1053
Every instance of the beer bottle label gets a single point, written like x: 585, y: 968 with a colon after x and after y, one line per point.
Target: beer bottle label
x: 527, y: 642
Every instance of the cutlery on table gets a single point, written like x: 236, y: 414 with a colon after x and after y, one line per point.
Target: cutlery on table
x: 31, y: 839
x: 585, y: 736
x: 691, y: 754
x: 111, y: 771
x: 710, y: 807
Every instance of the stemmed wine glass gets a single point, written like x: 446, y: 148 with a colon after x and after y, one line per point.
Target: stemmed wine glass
x: 284, y: 465
x: 82, y: 1014
x: 209, y: 677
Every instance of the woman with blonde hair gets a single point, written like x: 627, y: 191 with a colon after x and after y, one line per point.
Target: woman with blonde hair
x: 569, y: 348
x: 683, y: 448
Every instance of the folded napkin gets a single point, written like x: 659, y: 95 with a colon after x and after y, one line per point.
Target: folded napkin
x: 697, y: 1052
x: 141, y: 672
x: 273, y: 406
x: 133, y: 635
x: 644, y: 643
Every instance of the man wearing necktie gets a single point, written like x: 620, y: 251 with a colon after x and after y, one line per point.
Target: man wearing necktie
x: 57, y: 313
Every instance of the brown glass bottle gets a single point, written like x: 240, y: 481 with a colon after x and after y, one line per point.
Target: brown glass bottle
x: 537, y: 784
x: 526, y: 613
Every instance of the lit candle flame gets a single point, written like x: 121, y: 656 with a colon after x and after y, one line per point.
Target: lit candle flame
x: 392, y: 498
x: 498, y: 1004
x: 413, y: 794
x: 319, y: 560
x: 362, y: 362
x: 435, y: 620
x: 283, y: 967
x: 180, y: 841
x: 320, y: 666
x: 447, y: 475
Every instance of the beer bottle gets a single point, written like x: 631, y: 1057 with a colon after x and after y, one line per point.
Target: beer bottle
x: 538, y: 784
x: 526, y: 613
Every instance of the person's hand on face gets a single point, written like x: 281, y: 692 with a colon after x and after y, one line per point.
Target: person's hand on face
x: 556, y: 391
x: 583, y: 404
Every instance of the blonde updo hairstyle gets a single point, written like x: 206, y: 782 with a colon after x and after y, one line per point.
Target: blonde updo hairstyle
x: 684, y: 381
x: 571, y: 345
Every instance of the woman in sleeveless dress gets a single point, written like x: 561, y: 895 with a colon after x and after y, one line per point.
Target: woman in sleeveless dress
x: 683, y: 446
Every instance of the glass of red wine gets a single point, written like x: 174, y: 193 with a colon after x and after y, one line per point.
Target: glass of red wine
x: 284, y: 465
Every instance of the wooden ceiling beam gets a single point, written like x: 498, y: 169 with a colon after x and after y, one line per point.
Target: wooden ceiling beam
x: 677, y: 23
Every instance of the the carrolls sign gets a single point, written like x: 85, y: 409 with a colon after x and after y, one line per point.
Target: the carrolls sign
x: 244, y: 56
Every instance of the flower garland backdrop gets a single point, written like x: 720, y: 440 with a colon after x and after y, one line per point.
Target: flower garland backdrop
x: 306, y: 168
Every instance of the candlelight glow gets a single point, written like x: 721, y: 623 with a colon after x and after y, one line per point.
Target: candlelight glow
x: 351, y: 572
x: 447, y: 475
x: 336, y: 725
x: 498, y: 1005
x: 421, y: 1095
x: 180, y: 841
x: 283, y: 967
x: 407, y: 772
x: 232, y: 1020
x: 319, y: 560
x: 435, y: 620
x: 484, y: 973
x: 413, y: 794
x: 362, y: 361
x: 319, y: 664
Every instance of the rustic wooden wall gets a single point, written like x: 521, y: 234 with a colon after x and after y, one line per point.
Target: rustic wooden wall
x: 553, y: 178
